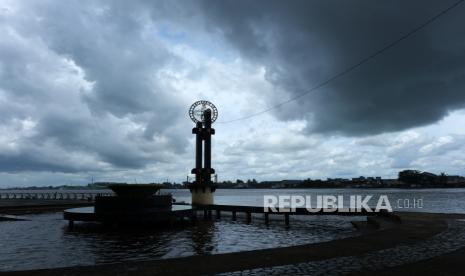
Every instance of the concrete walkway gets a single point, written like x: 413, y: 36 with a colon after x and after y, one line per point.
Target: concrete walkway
x: 452, y: 239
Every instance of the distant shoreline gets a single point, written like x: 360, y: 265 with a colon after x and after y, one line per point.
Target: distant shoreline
x: 84, y: 188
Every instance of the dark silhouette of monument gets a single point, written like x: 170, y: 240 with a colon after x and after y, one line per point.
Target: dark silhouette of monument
x: 203, y: 113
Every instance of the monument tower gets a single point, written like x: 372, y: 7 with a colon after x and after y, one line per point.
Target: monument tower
x: 203, y: 114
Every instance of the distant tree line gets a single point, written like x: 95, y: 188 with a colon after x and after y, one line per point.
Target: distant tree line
x: 406, y: 179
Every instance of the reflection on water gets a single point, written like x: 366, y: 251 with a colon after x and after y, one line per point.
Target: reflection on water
x: 45, y: 241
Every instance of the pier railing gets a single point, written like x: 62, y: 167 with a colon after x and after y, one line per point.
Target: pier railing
x: 87, y: 196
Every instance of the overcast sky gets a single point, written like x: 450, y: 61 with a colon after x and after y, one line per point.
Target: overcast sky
x: 102, y: 89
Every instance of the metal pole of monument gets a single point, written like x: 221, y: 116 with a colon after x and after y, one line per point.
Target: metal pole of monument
x: 203, y: 188
x: 209, y: 131
x: 198, y: 152
x: 208, y: 144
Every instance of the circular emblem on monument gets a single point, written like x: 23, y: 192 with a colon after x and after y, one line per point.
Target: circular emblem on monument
x: 198, y: 108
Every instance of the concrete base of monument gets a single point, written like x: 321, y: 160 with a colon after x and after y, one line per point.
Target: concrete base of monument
x: 202, y: 196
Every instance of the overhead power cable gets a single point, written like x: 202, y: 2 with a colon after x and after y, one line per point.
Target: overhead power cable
x: 354, y: 66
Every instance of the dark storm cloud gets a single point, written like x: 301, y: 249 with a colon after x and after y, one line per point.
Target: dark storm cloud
x: 302, y: 43
x: 82, y: 86
x: 26, y: 162
x: 117, y: 50
x: 115, y: 113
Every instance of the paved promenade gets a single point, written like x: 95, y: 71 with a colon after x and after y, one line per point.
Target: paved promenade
x: 452, y: 239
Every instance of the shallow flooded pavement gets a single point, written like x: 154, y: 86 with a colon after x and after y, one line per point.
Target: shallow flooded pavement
x: 44, y: 241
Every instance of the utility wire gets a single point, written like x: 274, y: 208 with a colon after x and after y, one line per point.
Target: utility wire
x: 353, y: 67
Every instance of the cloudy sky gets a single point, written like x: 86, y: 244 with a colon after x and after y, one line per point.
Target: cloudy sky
x: 102, y: 89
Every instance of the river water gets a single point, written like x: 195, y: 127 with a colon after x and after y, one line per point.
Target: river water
x: 44, y: 241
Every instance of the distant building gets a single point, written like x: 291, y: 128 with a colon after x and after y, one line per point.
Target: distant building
x: 291, y: 183
x: 278, y: 185
x: 391, y: 182
x: 455, y: 179
x: 360, y: 179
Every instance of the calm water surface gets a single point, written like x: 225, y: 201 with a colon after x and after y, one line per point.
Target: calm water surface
x: 433, y: 200
x: 44, y: 241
